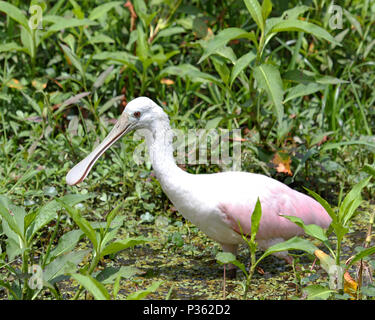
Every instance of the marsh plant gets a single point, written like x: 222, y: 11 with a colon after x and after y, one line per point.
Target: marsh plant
x: 29, y: 273
x: 295, y: 81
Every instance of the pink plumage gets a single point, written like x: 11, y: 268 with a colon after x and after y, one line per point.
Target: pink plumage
x: 283, y: 201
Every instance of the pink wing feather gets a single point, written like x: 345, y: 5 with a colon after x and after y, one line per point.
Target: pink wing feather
x: 284, y: 201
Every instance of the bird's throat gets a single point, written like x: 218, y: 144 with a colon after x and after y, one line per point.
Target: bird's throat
x: 160, y: 147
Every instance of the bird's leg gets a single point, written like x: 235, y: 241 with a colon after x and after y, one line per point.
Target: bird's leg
x: 230, y: 270
x: 285, y: 256
x: 288, y: 259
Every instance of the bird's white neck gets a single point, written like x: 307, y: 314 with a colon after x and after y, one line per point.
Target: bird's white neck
x: 159, y: 142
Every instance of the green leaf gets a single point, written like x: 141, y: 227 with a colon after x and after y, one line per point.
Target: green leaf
x: 255, y: 10
x: 77, y: 9
x: 317, y: 292
x: 26, y: 177
x: 160, y: 58
x: 141, y: 10
x: 82, y: 223
x: 213, y: 123
x: 228, y: 257
x: 13, y: 220
x: 255, y: 219
x: 298, y: 76
x: 63, y: 264
x: 14, y: 246
x: 330, y: 146
x: 329, y: 80
x: 14, y: 13
x: 67, y: 242
x: 138, y: 295
x: 369, y: 169
x: 225, y: 257
x: 302, y: 89
x: 324, y: 204
x: 142, y: 49
x: 109, y: 104
x: 10, y: 46
x: 43, y: 216
x: 116, y: 287
x: 102, y: 77
x: 33, y: 104
x: 294, y: 243
x: 93, y: 286
x: 73, y: 58
x: 294, y: 13
x: 193, y: 73
x: 169, y: 32
x: 13, y: 215
x: 113, y: 214
x: 221, y: 68
x: 17, y: 294
x: 310, y: 229
x: 318, y: 138
x: 110, y: 234
x: 98, y: 11
x: 269, y: 79
x: 101, y: 38
x: 73, y: 199
x: 266, y: 9
x: 299, y: 25
x: 227, y: 53
x: 360, y: 255
x: 119, y: 245
x: 118, y: 56
x: 241, y: 65
x: 354, y: 22
x: 70, y: 23
x: 48, y: 212
x: 221, y: 39
x: 352, y: 201
x: 339, y: 229
x: 110, y: 274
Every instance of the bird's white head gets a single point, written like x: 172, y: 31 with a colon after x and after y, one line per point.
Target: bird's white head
x: 143, y: 113
x: 140, y: 113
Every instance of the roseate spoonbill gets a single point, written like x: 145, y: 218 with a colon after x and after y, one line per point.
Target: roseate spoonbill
x: 217, y: 203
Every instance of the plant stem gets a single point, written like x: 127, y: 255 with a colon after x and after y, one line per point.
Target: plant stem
x: 51, y: 241
x: 338, y: 251
x: 33, y: 54
x: 93, y: 265
x: 253, y: 248
x: 260, y: 49
x: 25, y: 267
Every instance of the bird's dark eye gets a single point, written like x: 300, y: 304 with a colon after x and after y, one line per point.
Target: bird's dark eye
x: 137, y: 114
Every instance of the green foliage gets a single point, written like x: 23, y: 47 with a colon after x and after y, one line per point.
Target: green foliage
x: 274, y: 69
x: 21, y: 230
x: 341, y: 220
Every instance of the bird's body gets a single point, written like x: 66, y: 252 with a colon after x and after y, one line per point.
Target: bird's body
x: 220, y: 204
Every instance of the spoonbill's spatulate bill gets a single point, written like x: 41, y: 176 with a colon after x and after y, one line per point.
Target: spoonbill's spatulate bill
x: 217, y: 203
